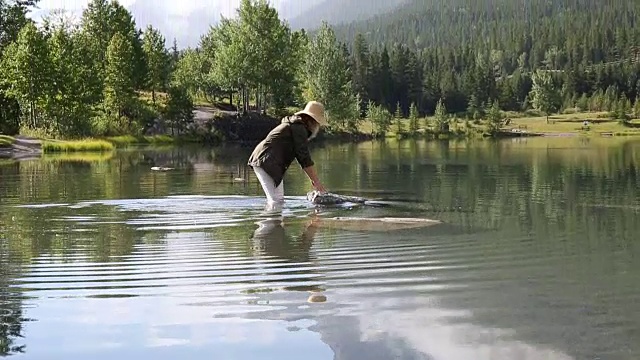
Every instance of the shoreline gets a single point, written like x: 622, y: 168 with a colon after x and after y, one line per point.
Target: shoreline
x: 84, y: 151
x: 251, y: 128
x: 42, y: 147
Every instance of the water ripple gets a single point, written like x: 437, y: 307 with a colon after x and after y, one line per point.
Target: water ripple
x: 209, y: 259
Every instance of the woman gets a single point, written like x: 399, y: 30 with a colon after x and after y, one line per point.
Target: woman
x: 288, y: 141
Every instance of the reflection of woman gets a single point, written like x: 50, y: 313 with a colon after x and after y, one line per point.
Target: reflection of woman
x: 271, y: 239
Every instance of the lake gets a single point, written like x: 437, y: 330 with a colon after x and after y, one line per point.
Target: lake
x: 537, y: 255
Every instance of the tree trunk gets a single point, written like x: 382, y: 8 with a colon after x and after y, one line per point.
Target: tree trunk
x: 258, y: 99
x: 32, y: 110
x: 153, y: 96
x: 265, y: 103
x: 245, y: 99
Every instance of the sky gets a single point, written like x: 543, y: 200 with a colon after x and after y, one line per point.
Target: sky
x: 185, y: 20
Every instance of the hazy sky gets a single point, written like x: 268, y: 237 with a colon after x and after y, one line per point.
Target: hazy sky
x: 186, y: 20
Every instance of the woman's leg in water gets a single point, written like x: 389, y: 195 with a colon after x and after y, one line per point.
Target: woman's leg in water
x: 274, y: 194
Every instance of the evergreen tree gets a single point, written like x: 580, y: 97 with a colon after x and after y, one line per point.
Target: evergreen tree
x: 398, y: 120
x: 380, y: 118
x: 474, y: 110
x: 494, y: 119
x: 399, y: 66
x: 413, y: 119
x: 583, y: 103
x: 441, y: 118
x: 362, y: 83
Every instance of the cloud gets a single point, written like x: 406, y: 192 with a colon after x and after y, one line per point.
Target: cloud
x: 186, y: 21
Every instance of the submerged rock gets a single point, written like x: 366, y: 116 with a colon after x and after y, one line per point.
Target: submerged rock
x: 328, y: 198
x: 378, y: 224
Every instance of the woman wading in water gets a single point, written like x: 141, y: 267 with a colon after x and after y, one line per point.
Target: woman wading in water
x: 288, y: 141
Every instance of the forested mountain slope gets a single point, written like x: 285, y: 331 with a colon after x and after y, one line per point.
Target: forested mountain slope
x: 342, y: 12
x: 471, y: 52
x: 593, y: 29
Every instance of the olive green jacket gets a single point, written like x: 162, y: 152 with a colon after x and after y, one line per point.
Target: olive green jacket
x: 286, y: 142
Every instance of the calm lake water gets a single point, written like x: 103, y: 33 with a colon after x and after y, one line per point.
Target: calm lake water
x: 537, y: 256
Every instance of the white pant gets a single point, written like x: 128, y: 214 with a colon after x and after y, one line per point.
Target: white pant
x: 275, y: 195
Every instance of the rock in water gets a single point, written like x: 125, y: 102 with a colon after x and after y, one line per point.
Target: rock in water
x: 327, y: 198
x: 161, y: 168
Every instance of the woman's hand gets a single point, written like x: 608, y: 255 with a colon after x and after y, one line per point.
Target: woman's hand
x: 319, y: 187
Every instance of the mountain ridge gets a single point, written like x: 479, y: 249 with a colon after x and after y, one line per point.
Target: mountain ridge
x: 337, y: 12
x: 426, y: 23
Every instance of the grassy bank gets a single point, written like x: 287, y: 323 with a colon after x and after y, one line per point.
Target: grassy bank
x: 106, y: 144
x: 598, y: 124
x: 87, y: 145
x: 99, y: 145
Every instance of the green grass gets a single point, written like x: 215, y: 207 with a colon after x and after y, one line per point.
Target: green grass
x: 88, y: 145
x: 573, y: 124
x: 102, y: 145
x: 561, y: 124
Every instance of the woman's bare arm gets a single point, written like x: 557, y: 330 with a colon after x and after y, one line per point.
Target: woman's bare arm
x: 313, y: 176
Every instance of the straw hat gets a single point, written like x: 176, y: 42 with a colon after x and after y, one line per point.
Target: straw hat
x: 316, y: 111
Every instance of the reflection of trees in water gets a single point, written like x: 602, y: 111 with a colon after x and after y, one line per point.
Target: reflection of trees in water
x: 11, y: 317
x: 27, y: 233
x: 569, y: 284
x: 494, y: 180
x: 31, y: 233
x: 492, y: 183
x: 577, y: 209
x: 8, y: 172
x: 10, y: 322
